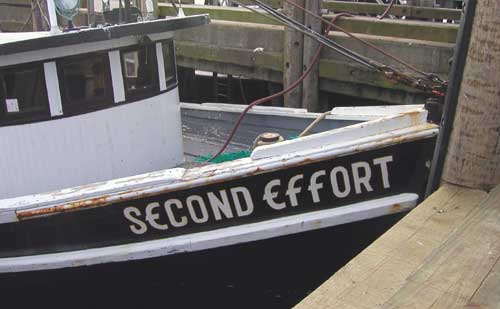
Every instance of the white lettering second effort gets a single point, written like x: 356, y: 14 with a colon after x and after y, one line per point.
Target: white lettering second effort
x: 237, y: 201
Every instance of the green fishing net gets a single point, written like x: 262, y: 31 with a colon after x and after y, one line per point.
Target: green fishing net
x: 224, y: 157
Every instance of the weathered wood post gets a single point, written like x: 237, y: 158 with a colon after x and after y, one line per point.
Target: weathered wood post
x: 293, y: 55
x: 310, y: 85
x: 155, y: 6
x: 40, y: 15
x: 91, y: 13
x: 473, y: 156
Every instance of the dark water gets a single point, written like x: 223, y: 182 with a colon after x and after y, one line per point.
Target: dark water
x: 200, y: 88
x: 275, y: 273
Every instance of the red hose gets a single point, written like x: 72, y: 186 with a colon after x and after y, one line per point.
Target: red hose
x: 282, y: 92
x: 386, y: 12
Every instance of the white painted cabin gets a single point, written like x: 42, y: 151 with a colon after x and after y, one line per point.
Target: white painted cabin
x: 88, y: 106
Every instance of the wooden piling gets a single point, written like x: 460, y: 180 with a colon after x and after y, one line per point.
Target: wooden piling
x: 473, y: 156
x: 310, y: 85
x: 293, y: 56
x: 91, y: 13
x: 145, y: 11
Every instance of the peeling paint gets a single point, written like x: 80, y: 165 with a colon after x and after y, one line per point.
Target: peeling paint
x: 136, y: 187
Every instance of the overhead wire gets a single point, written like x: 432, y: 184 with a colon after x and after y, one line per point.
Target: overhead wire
x: 287, y: 21
x: 365, y: 42
x: 30, y: 17
x: 43, y: 13
x: 427, y: 84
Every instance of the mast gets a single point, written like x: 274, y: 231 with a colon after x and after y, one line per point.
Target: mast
x: 51, y: 8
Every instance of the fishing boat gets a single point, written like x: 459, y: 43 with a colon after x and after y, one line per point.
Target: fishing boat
x: 99, y: 157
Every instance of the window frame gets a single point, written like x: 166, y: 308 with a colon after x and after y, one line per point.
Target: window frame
x: 7, y: 118
x: 171, y: 46
x: 85, y: 106
x: 79, y: 109
x: 142, y: 93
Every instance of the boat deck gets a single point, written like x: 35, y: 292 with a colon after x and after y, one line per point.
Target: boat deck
x: 205, y: 127
x: 443, y: 254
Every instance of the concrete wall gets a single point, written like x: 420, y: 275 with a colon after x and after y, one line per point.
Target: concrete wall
x: 14, y: 14
x: 255, y: 50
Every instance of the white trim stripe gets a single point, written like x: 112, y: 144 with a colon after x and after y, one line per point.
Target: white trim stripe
x: 53, y: 91
x: 161, y: 67
x: 213, y: 239
x: 117, y: 76
x: 205, y: 175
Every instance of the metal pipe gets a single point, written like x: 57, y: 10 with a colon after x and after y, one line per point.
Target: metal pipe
x: 128, y: 17
x: 51, y: 8
x: 450, y: 103
x: 91, y: 13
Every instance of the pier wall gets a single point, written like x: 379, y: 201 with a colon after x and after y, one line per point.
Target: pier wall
x: 15, y: 15
x: 242, y: 43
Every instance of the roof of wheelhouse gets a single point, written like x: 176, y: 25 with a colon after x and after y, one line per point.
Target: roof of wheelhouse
x: 13, y: 43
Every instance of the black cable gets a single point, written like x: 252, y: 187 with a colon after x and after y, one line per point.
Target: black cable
x: 319, y: 37
x: 389, y: 72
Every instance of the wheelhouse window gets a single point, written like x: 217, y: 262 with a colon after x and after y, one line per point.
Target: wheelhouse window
x: 23, y: 94
x: 169, y: 62
x: 140, y: 72
x: 85, y: 82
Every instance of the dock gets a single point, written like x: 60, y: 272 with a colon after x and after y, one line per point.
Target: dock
x: 446, y: 252
x: 243, y: 43
x: 443, y: 254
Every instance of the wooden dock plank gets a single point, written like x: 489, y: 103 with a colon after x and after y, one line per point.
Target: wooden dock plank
x: 489, y: 291
x: 375, y: 276
x: 460, y: 265
x: 397, y: 28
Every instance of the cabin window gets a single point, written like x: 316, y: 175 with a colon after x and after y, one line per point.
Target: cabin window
x: 140, y: 72
x: 23, y: 94
x: 169, y: 62
x: 85, y: 82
